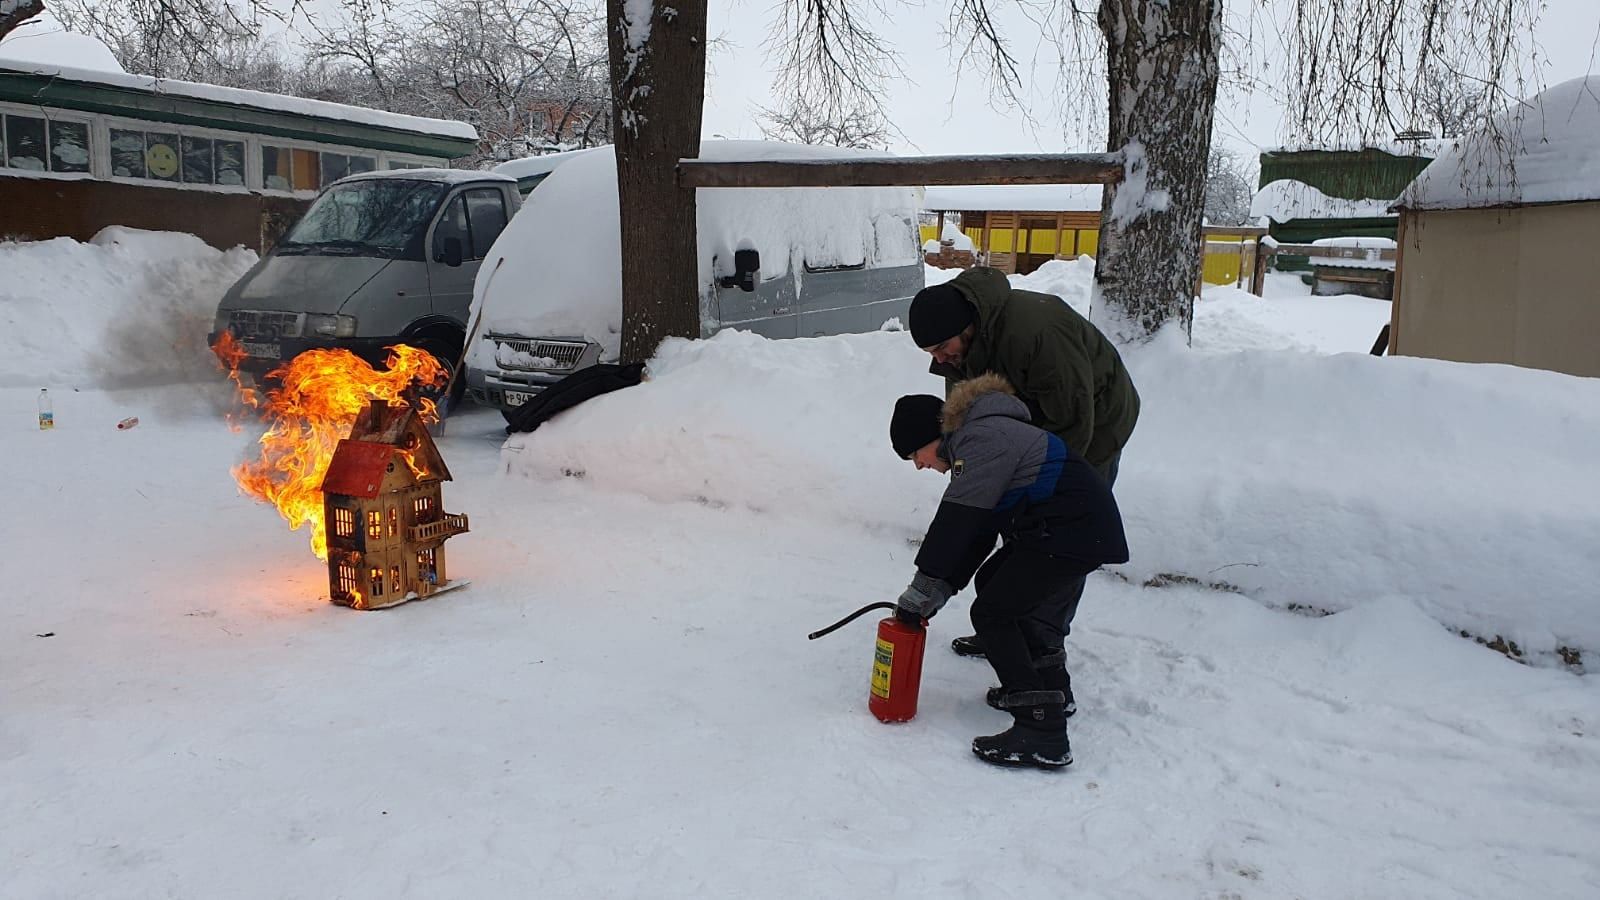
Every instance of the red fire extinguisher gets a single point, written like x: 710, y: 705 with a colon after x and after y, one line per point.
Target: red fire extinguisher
x: 896, y: 661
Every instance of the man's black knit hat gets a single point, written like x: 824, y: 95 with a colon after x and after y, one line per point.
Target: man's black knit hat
x: 939, y: 313
x: 915, y: 423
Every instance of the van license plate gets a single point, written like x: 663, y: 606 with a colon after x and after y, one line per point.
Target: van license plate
x: 262, y: 351
x: 517, y: 398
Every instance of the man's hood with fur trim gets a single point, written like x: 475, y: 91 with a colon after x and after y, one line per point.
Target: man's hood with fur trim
x: 986, y: 395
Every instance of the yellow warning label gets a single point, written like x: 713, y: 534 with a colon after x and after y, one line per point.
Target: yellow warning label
x: 882, y: 665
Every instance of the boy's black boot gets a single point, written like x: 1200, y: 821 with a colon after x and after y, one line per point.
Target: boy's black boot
x: 1037, y: 737
x: 971, y: 645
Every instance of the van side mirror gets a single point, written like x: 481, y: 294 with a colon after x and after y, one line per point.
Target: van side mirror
x: 746, y: 270
x: 450, y: 252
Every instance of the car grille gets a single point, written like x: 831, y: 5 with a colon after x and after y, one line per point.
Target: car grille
x: 564, y: 354
x: 255, y: 323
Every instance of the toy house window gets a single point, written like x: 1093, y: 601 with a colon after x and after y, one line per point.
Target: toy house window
x: 376, y: 577
x: 374, y: 524
x: 347, y: 579
x: 394, y: 521
x: 344, y: 523
x: 422, y: 507
x: 426, y: 569
x: 394, y: 579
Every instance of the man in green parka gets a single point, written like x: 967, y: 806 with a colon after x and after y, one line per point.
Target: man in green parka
x: 1067, y: 373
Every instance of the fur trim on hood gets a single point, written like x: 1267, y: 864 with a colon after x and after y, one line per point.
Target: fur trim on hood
x: 963, y: 395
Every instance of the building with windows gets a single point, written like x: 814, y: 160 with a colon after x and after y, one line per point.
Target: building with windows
x: 81, y: 149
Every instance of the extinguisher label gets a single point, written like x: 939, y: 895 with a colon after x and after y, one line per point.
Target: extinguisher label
x: 882, y: 665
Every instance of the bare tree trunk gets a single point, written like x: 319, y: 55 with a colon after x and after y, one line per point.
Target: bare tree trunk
x: 1161, y: 60
x: 658, y: 78
x: 15, y: 12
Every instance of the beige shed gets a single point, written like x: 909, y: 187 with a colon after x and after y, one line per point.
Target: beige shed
x: 1498, y: 237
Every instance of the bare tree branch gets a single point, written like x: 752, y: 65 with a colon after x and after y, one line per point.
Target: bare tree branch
x: 860, y: 127
x: 829, y: 56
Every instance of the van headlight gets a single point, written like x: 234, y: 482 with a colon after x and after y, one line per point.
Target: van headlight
x: 331, y: 326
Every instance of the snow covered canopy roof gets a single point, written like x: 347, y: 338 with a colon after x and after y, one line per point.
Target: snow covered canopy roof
x: 1544, y: 150
x: 118, y: 93
x: 59, y: 48
x: 1286, y: 200
x: 1014, y: 198
x: 1426, y: 147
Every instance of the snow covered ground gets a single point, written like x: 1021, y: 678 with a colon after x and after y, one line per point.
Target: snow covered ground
x: 623, y: 702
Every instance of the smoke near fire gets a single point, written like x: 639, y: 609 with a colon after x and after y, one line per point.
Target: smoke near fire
x: 315, y: 400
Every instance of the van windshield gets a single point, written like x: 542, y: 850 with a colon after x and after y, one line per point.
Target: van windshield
x: 383, y: 217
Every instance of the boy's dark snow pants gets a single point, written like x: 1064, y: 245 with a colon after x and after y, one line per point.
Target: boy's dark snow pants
x: 1023, y: 610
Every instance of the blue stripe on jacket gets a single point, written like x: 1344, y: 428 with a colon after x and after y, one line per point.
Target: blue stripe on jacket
x: 1044, y: 483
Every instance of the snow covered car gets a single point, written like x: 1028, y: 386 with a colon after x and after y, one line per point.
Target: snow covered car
x: 380, y: 258
x: 780, y: 262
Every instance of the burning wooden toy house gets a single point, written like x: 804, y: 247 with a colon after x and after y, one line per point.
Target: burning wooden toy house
x: 386, y: 525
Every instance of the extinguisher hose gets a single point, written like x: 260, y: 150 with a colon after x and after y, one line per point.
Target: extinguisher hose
x: 848, y: 619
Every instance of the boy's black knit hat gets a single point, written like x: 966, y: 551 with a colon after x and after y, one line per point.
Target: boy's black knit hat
x: 915, y: 423
x: 939, y: 313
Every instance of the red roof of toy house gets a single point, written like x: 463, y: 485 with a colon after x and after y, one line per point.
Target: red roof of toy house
x: 357, y: 468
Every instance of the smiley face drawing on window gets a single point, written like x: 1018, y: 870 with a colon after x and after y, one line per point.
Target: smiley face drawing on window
x: 161, y: 160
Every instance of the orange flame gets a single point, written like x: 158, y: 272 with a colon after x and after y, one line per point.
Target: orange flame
x: 319, y: 395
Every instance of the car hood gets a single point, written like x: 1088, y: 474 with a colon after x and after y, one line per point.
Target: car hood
x: 310, y: 284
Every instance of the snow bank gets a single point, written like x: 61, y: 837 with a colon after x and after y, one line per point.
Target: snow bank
x: 1543, y: 150
x: 1331, y: 481
x: 797, y: 428
x: 1324, y: 481
x: 129, y: 307
x: 1285, y: 200
x: 1287, y: 318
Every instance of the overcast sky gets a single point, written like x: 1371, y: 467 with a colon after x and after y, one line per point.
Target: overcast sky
x: 938, y: 109
x: 938, y: 115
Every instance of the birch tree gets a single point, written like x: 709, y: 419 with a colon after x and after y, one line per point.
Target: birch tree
x: 658, y: 86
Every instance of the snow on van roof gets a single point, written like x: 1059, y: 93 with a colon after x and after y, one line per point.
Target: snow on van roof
x: 554, y: 271
x: 444, y: 176
x: 1015, y: 197
x: 530, y: 166
x: 1543, y: 150
x: 300, y: 106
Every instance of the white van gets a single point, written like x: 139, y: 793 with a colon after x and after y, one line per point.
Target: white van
x: 782, y: 262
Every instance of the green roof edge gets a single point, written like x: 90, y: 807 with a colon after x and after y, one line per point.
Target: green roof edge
x: 65, y: 93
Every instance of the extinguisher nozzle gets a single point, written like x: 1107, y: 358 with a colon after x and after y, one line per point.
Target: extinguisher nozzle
x: 848, y: 619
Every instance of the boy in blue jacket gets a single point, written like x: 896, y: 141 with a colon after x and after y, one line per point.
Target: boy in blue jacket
x: 1057, y: 521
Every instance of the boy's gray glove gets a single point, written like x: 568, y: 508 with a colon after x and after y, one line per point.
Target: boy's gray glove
x: 925, y: 596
